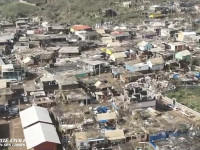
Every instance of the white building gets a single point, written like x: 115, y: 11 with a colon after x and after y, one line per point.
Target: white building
x: 38, y: 114
x: 177, y: 46
x: 156, y: 63
x: 181, y: 36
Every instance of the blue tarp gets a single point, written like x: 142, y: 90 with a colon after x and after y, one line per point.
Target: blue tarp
x: 175, y: 76
x: 115, y: 107
x: 153, y: 144
x: 102, y: 109
x: 114, y: 72
x: 102, y: 121
x: 165, y: 135
x: 197, y: 75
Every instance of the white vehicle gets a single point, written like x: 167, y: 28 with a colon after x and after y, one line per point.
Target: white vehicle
x: 175, y: 108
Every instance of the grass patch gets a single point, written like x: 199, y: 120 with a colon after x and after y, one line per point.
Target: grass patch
x: 17, y: 10
x: 187, y: 96
x: 37, y: 1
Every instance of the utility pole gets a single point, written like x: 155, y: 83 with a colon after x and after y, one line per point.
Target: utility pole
x: 86, y: 100
x: 19, y: 104
x: 99, y: 69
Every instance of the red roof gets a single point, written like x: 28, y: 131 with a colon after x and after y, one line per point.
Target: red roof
x: 80, y: 27
x: 116, y: 32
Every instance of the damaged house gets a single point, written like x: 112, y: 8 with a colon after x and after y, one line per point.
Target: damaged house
x: 68, y: 52
x: 156, y: 64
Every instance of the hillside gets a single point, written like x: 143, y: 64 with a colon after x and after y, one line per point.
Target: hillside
x: 76, y: 11
x: 17, y: 10
x: 82, y: 11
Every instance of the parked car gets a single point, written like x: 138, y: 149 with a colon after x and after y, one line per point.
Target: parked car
x: 170, y: 106
x: 176, y: 108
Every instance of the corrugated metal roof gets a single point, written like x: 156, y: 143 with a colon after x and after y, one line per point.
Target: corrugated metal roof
x: 40, y: 133
x: 189, y: 33
x: 114, y: 134
x: 184, y: 53
x: 143, y: 43
x: 1, y: 62
x: 157, y: 61
x: 69, y: 50
x: 119, y: 55
x: 34, y: 114
x: 106, y: 116
x: 80, y: 27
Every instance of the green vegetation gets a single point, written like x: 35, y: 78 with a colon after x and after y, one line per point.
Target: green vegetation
x: 87, y: 11
x: 72, y: 11
x: 187, y: 97
x: 37, y: 1
x: 17, y: 10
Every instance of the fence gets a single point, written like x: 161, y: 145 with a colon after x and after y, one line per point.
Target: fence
x: 170, y: 101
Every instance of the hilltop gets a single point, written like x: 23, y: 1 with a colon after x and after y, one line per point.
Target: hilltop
x: 17, y: 10
x: 71, y: 11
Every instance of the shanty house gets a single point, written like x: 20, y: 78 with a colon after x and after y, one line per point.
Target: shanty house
x: 136, y: 66
x: 167, y: 32
x: 128, y: 77
x: 1, y: 63
x: 46, y: 57
x: 69, y: 52
x: 127, y: 4
x: 183, y: 55
x: 41, y: 136
x: 107, y: 39
x: 57, y: 29
x: 20, y: 23
x: 88, y: 35
x: 67, y: 83
x: 156, y: 63
x: 182, y: 35
x: 120, y: 36
x: 8, y: 71
x: 107, y: 121
x: 155, y: 8
x: 94, y: 65
x: 106, y: 117
x: 118, y: 58
x: 144, y: 46
x: 84, y: 140
x: 80, y: 28
x: 195, y: 38
x: 81, y: 140
x: 49, y: 83
x: 6, y: 96
x: 115, y: 136
x: 177, y: 46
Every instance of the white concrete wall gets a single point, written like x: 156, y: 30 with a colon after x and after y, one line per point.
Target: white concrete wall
x: 182, y: 107
x: 142, y: 48
x: 147, y: 104
x: 141, y: 68
x: 157, y: 67
x: 172, y: 47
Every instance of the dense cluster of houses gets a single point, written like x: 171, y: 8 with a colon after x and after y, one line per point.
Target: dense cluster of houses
x: 101, y: 86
